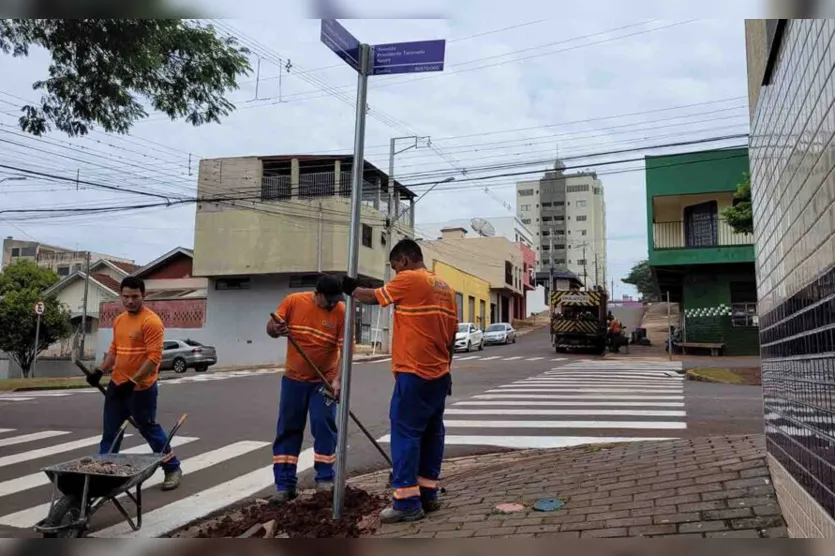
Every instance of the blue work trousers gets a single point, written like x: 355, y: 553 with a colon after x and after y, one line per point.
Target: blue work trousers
x: 297, y: 400
x: 417, y: 438
x: 141, y: 405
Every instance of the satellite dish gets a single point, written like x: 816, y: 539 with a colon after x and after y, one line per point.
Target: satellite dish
x: 482, y: 227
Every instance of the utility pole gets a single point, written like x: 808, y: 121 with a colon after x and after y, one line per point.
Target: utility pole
x: 84, y: 309
x: 585, y: 269
x: 392, y: 212
x: 596, y: 282
x: 669, y: 327
x: 364, y: 53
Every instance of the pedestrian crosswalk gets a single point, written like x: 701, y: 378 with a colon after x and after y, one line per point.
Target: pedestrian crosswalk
x: 466, y: 357
x: 585, y: 401
x: 213, y: 479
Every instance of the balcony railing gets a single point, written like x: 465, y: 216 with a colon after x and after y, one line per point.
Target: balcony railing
x: 323, y: 184
x: 697, y: 233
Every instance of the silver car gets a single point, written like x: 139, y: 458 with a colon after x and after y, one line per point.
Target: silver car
x: 181, y: 355
x: 500, y: 333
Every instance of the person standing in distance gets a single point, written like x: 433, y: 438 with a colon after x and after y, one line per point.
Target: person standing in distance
x: 134, y: 357
x: 425, y: 322
x: 315, y: 320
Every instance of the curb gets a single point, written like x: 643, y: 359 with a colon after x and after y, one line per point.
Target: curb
x: 697, y: 377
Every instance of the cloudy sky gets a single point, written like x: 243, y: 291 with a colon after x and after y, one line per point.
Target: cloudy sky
x: 515, y: 89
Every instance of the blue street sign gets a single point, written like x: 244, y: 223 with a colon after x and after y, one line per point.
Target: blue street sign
x: 344, y: 44
x: 409, y: 57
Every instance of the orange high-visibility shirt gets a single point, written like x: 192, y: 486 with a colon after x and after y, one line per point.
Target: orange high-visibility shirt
x: 425, y: 322
x: 136, y: 338
x: 317, y: 331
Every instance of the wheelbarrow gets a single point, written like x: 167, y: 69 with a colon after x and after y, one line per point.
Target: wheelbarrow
x: 78, y: 492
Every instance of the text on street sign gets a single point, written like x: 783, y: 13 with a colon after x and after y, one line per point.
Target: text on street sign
x: 344, y: 44
x: 409, y: 57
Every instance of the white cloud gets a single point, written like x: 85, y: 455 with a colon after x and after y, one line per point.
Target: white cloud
x: 692, y: 63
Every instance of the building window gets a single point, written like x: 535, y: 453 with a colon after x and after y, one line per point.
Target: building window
x: 526, y: 221
x: 526, y: 192
x: 223, y: 284
x: 701, y: 225
x: 367, y: 236
x: 525, y: 207
x: 471, y: 309
x: 383, y: 240
x: 459, y: 301
x: 577, y: 188
x: 583, y: 232
x: 546, y: 205
x: 560, y: 261
x: 15, y: 251
x: 76, y: 267
x: 744, y: 314
x: 63, y: 271
x: 508, y: 273
x: 582, y: 218
x: 28, y: 251
x: 546, y: 218
x: 581, y: 261
x: 582, y: 203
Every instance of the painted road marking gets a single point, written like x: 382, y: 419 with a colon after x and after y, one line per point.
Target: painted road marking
x: 466, y: 358
x: 606, y: 388
x: 6, y: 430
x: 567, y: 412
x: 14, y: 399
x: 533, y: 403
x: 464, y: 424
x: 11, y: 441
x: 491, y: 358
x: 51, y: 450
x: 182, y: 512
x: 597, y: 380
x: 559, y: 359
x: 532, y: 442
x: 512, y: 358
x: 509, y: 394
x: 30, y: 516
x: 534, y: 358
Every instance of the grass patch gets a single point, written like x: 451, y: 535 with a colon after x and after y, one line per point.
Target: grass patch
x: 24, y: 384
x: 721, y: 375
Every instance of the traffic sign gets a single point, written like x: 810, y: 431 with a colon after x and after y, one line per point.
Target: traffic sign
x: 344, y: 44
x: 409, y: 57
x: 40, y: 308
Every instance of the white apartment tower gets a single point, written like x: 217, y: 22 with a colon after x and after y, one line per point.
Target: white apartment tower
x: 567, y: 214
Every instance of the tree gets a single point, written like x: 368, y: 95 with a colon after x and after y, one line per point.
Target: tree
x: 641, y: 277
x: 21, y: 287
x: 103, y: 70
x: 740, y: 216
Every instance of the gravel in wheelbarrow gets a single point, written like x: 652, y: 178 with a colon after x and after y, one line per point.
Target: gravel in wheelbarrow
x: 309, y: 516
x: 101, y: 467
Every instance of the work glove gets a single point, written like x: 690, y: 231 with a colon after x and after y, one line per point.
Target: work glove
x: 349, y: 285
x: 125, y: 389
x: 94, y: 378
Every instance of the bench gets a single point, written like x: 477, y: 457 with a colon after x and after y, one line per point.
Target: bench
x: 714, y: 348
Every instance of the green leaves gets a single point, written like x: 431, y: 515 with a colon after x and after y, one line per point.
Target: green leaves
x: 641, y: 277
x: 21, y: 286
x: 107, y: 71
x: 740, y: 216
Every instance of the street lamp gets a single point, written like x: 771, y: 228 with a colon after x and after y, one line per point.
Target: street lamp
x: 13, y: 178
x: 434, y: 185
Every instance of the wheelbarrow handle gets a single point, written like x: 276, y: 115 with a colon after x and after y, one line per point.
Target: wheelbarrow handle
x: 118, y: 436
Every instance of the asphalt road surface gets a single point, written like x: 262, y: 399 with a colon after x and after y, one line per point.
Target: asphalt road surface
x: 505, y: 397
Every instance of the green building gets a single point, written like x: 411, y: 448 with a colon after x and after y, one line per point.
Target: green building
x: 695, y: 255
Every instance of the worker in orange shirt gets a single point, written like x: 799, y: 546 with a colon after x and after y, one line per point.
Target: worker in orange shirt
x: 425, y: 322
x: 314, y: 320
x: 134, y: 357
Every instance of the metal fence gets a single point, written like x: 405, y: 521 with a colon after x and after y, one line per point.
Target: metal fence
x: 683, y: 234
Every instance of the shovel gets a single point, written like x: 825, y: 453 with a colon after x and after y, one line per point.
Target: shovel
x: 87, y: 372
x: 329, y: 394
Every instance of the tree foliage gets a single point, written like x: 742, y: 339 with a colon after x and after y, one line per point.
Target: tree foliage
x: 740, y: 216
x: 107, y: 71
x: 21, y: 287
x: 641, y: 277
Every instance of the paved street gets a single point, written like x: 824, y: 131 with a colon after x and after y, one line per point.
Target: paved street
x: 516, y: 396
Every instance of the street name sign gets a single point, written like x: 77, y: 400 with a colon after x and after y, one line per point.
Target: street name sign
x: 343, y: 43
x: 408, y: 57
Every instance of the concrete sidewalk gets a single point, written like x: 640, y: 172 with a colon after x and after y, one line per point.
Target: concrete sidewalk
x: 709, y: 487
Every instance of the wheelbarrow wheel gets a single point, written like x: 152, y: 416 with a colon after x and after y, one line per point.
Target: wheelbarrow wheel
x: 65, y: 511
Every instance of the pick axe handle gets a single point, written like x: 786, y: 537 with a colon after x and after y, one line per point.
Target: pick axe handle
x: 87, y: 372
x: 331, y: 392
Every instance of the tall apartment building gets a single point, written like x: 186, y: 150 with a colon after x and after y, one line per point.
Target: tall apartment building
x: 567, y: 214
x: 61, y: 260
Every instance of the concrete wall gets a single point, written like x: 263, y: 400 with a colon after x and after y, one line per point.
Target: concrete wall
x: 793, y: 196
x: 470, y: 287
x: 44, y: 368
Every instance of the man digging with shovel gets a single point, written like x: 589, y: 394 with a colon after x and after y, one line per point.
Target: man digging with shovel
x: 313, y: 321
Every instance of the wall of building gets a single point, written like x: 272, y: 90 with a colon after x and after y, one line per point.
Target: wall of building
x: 469, y: 287
x: 180, y: 266
x: 708, y: 307
x: 793, y: 191
x: 509, y: 227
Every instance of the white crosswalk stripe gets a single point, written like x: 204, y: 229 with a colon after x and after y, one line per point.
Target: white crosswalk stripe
x: 466, y: 357
x: 24, y: 495
x: 582, y: 402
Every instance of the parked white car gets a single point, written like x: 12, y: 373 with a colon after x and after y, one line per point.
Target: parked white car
x: 468, y: 337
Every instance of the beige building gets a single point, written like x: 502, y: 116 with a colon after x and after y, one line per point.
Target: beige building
x: 496, y: 260
x: 791, y: 89
x: 61, y: 260
x: 282, y: 221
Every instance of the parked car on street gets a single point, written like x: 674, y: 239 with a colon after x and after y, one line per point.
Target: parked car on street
x: 181, y: 355
x: 500, y: 333
x: 468, y: 337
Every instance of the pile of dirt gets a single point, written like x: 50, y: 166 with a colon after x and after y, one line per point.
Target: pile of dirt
x: 306, y: 517
x: 103, y: 467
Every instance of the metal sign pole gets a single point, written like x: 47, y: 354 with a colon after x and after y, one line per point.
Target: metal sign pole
x: 353, y: 264
x: 37, y: 342
x: 669, y: 327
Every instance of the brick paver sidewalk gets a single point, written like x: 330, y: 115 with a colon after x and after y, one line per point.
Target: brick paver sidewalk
x: 710, y: 487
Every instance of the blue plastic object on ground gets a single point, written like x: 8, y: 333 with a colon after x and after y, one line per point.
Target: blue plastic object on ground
x: 547, y: 504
